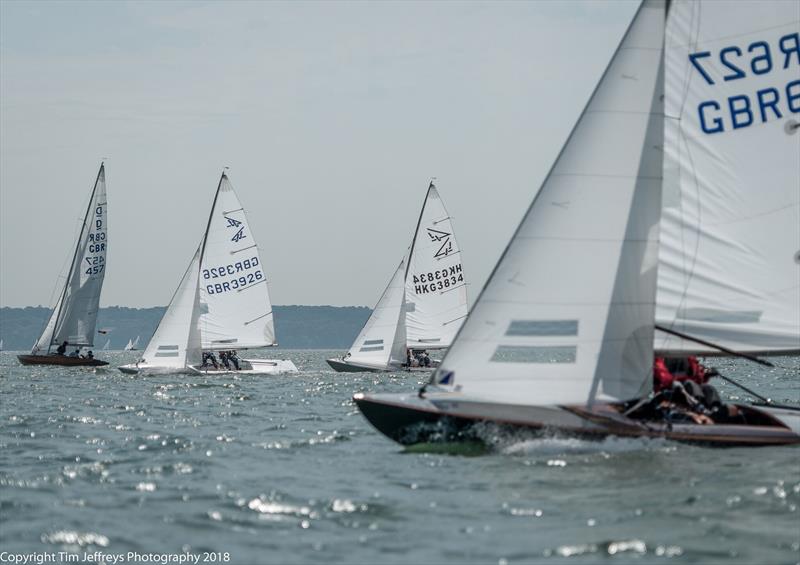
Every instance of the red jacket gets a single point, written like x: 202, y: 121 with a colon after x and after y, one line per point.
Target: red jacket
x: 663, y: 379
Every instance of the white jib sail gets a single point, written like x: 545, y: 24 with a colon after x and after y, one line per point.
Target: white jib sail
x: 75, y: 315
x: 235, y: 310
x: 129, y: 346
x: 382, y: 341
x: 436, y: 291
x: 729, y: 269
x: 567, y: 314
x: 176, y: 341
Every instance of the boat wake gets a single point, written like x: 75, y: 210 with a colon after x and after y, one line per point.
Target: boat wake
x: 563, y: 445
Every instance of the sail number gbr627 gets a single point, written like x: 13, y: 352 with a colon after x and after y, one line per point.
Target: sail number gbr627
x: 740, y: 62
x: 440, y: 279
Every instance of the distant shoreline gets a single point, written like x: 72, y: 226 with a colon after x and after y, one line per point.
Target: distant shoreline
x: 297, y: 326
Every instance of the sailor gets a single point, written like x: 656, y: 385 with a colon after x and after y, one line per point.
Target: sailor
x: 408, y: 357
x: 90, y: 355
x: 223, y: 357
x: 667, y: 371
x: 233, y: 359
x: 209, y: 356
x: 425, y: 361
x: 76, y: 353
x: 62, y: 349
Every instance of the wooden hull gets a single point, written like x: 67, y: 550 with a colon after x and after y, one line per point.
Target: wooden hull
x: 61, y: 360
x: 408, y: 419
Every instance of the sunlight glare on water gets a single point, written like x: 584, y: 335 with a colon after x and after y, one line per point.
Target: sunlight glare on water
x: 285, y: 469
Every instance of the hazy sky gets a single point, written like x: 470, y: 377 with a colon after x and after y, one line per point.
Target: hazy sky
x: 332, y: 117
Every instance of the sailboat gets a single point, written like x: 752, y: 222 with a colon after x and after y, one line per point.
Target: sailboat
x: 107, y: 345
x: 221, y: 304
x: 423, y: 305
x: 132, y: 345
x: 73, y: 319
x: 562, y: 336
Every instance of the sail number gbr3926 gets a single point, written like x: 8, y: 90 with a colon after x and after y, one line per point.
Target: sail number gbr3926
x: 440, y: 279
x: 243, y: 273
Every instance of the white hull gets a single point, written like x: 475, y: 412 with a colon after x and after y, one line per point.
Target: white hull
x: 248, y: 367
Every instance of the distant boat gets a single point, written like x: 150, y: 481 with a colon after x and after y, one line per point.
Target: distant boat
x: 1, y: 345
x: 132, y: 345
x: 562, y: 337
x: 424, y: 304
x: 73, y: 319
x: 221, y: 304
x: 107, y: 345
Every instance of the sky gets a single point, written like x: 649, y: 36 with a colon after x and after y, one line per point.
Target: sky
x: 332, y: 116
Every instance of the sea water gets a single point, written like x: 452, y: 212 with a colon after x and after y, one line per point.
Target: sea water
x: 100, y: 466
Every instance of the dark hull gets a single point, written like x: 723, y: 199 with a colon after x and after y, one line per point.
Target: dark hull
x: 61, y: 360
x: 409, y: 420
x: 343, y: 367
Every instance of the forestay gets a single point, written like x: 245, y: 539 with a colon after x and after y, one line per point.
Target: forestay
x: 567, y: 314
x: 729, y: 269
x: 177, y: 337
x: 436, y: 292
x: 235, y: 310
x: 75, y: 315
x: 382, y: 341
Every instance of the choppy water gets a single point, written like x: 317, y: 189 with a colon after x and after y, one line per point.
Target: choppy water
x: 285, y: 470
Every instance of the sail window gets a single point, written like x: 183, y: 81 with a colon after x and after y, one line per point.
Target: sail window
x: 542, y: 327
x: 167, y: 347
x: 371, y: 348
x: 720, y: 316
x: 167, y: 354
x: 534, y: 354
x: 373, y: 342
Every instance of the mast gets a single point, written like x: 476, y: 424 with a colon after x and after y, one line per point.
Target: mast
x: 416, y: 231
x: 75, y: 254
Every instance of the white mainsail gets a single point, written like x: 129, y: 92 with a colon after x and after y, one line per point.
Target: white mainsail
x: 436, y: 292
x: 729, y: 257
x: 129, y: 345
x: 75, y: 314
x: 567, y: 314
x: 382, y: 341
x: 135, y: 343
x: 107, y: 345
x: 236, y: 312
x: 177, y: 337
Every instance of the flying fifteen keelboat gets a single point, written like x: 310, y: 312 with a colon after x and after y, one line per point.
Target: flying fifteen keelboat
x: 221, y: 304
x: 707, y: 108
x: 72, y: 322
x: 422, y: 307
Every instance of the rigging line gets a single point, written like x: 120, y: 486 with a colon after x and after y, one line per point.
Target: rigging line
x: 714, y: 346
x: 232, y: 211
